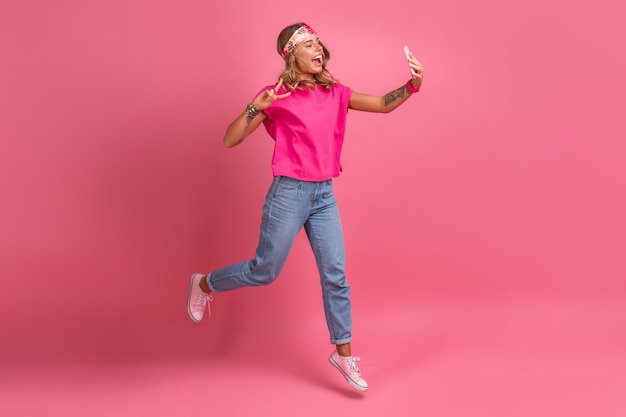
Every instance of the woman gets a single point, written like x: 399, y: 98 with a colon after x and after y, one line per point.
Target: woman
x: 305, y: 113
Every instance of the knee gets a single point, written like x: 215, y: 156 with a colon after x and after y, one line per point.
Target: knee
x: 263, y: 276
x: 263, y: 279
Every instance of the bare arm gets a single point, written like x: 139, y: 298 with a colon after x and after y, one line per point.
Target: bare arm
x: 391, y: 100
x: 247, y: 122
x: 240, y: 128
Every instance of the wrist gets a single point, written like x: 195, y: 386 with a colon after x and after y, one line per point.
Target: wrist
x: 412, y: 89
x: 251, y: 112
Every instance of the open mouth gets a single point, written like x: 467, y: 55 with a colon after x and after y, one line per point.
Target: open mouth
x: 318, y: 59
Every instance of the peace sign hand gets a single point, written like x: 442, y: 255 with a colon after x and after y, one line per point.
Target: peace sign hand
x: 267, y: 97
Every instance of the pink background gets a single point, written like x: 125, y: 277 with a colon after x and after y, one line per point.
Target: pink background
x: 484, y: 219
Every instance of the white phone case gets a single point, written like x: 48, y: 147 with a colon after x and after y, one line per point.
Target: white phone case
x: 406, y: 52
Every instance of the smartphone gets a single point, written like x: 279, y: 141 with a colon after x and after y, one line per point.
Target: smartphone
x: 406, y: 52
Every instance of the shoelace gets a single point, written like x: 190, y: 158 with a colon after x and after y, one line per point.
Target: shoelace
x: 204, y: 300
x: 354, y: 369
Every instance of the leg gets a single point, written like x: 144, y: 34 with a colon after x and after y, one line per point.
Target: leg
x: 284, y: 213
x: 344, y: 349
x: 204, y: 286
x: 325, y: 234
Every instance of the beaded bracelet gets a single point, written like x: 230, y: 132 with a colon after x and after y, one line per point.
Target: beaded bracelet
x: 251, y: 112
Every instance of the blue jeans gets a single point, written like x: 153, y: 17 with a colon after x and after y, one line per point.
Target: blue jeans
x: 289, y: 205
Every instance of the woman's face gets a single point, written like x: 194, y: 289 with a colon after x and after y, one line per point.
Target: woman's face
x: 309, y: 56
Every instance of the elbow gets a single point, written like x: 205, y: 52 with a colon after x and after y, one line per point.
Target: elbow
x: 385, y: 106
x: 231, y: 142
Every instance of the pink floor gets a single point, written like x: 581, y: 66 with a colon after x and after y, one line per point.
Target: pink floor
x: 520, y: 356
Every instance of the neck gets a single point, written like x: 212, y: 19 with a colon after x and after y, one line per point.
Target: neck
x: 303, y: 77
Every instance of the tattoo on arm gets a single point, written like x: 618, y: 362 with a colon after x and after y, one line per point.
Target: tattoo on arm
x: 395, y: 95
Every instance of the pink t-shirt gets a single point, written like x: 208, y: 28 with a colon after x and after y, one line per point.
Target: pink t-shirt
x: 308, y: 127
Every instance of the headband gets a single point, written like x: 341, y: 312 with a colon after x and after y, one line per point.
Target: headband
x: 301, y: 34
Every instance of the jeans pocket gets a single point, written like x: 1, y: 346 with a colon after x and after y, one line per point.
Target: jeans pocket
x: 287, y: 183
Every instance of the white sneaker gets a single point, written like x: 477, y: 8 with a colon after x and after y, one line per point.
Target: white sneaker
x: 197, y: 300
x: 347, y: 366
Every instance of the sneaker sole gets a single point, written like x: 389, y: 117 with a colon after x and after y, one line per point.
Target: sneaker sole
x: 350, y: 381
x: 189, y: 298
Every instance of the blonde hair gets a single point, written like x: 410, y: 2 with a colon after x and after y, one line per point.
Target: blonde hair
x: 290, y: 73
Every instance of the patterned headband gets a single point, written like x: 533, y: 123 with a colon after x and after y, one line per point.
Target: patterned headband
x: 301, y: 34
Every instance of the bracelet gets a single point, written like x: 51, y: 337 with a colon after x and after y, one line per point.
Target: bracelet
x: 251, y: 112
x: 411, y: 88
